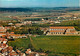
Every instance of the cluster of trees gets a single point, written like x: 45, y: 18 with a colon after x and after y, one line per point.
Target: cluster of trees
x: 36, y: 19
x: 33, y: 19
x: 26, y: 30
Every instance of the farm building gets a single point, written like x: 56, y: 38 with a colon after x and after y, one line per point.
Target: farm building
x: 62, y: 31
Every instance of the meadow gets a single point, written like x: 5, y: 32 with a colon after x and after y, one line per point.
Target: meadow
x: 62, y: 44
x: 21, y: 44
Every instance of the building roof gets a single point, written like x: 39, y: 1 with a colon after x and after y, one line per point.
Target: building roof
x: 3, y: 45
x: 4, y: 50
x: 13, y: 53
x: 10, y: 48
x: 62, y: 28
x: 2, y: 30
x: 3, y: 39
x: 72, y: 31
x: 12, y: 33
x: 18, y: 51
x: 57, y: 31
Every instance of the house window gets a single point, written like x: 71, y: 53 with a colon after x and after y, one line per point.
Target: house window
x: 51, y: 32
x: 58, y: 32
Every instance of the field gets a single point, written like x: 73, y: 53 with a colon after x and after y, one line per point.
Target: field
x: 54, y: 44
x: 19, y: 43
x: 3, y: 18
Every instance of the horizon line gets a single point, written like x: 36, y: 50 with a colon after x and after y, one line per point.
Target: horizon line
x: 40, y: 7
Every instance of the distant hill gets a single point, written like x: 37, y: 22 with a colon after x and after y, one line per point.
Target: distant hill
x: 15, y: 9
x: 39, y: 9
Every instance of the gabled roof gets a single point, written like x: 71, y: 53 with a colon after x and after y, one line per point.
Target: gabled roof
x: 3, y: 39
x: 13, y: 53
x: 3, y: 45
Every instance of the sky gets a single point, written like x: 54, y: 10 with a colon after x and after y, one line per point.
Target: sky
x: 39, y: 3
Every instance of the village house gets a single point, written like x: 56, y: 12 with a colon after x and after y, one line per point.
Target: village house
x: 57, y: 22
x: 20, y: 53
x: 12, y: 35
x: 2, y: 29
x: 31, y: 53
x: 10, y: 24
x: 3, y: 46
x: 18, y: 24
x: 2, y: 54
x: 6, y: 50
x: 28, y: 51
x: 9, y: 52
x: 7, y: 28
x: 62, y: 31
x: 10, y: 48
x: 2, y: 34
x: 27, y: 22
x: 13, y: 53
x: 3, y: 40
x: 44, y: 29
x: 17, y: 36
x: 3, y: 43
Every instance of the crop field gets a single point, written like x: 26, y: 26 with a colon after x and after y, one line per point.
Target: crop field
x: 15, y: 13
x: 20, y: 43
x: 54, y: 44
x: 62, y: 44
x: 23, y: 13
x: 3, y: 18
